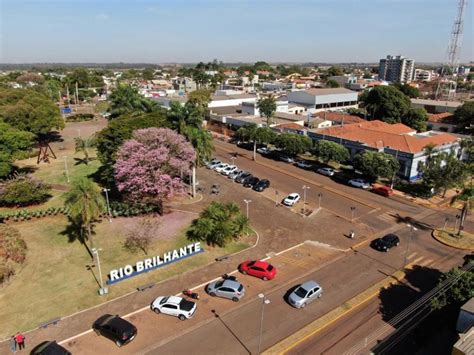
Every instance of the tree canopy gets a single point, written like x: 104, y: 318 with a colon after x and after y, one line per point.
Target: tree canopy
x: 126, y: 99
x: 408, y: 90
x: 293, y: 143
x: 267, y: 107
x: 465, y: 114
x: 376, y: 164
x: 443, y: 170
x: 14, y: 144
x: 387, y: 103
x: 331, y: 151
x: 461, y: 291
x: 332, y: 84
x: 416, y: 118
x: 29, y: 110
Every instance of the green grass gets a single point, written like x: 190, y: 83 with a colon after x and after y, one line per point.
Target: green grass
x: 55, y: 282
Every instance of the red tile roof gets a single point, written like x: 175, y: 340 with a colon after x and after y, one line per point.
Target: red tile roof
x: 338, y: 117
x: 378, y: 134
x: 445, y: 117
x: 289, y: 126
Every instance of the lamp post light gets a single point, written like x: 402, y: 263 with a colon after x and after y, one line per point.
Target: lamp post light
x: 352, y: 213
x: 247, y: 203
x: 304, y: 198
x: 413, y: 230
x: 65, y: 166
x: 320, y: 195
x: 108, y: 204
x: 102, y: 290
x: 264, y: 302
x: 232, y: 158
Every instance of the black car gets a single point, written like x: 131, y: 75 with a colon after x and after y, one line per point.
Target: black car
x: 49, y: 348
x: 241, y: 178
x: 386, y: 242
x: 115, y: 328
x: 251, y: 181
x: 261, y: 185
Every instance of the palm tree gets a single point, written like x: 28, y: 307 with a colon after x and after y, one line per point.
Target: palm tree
x: 202, y: 142
x: 84, y: 144
x: 85, y: 203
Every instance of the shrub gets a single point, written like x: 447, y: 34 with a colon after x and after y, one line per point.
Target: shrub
x: 140, y: 236
x: 12, y: 251
x: 80, y: 117
x: 23, y: 191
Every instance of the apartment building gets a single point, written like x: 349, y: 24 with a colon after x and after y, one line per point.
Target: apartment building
x: 396, y: 69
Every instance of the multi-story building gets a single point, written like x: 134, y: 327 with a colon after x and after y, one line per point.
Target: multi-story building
x: 396, y: 69
x: 423, y: 75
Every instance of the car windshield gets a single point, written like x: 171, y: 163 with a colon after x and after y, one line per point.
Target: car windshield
x: 241, y: 287
x: 218, y: 284
x: 301, y: 292
x: 270, y: 268
x: 291, y: 197
x: 164, y: 300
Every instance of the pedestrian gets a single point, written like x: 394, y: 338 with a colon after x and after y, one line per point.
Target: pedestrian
x: 13, y: 344
x: 352, y: 235
x: 20, y: 340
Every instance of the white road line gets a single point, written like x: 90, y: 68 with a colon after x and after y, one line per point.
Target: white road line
x: 74, y: 337
x: 411, y: 255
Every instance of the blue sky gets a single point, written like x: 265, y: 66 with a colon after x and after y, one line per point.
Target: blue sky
x: 157, y: 31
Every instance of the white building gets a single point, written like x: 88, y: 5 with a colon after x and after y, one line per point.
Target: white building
x: 231, y: 100
x: 435, y: 106
x: 321, y: 99
x: 344, y: 80
x: 396, y: 69
x: 423, y: 75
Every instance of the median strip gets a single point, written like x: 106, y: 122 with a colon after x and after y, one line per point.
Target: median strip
x: 319, y: 324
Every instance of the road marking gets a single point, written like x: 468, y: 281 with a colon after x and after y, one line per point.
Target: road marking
x: 411, y: 255
x: 426, y: 262
x: 417, y: 260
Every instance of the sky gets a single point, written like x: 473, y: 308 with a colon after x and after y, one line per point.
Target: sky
x: 165, y: 31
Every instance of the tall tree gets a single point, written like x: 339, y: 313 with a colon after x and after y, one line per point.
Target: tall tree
x: 465, y: 114
x: 443, y: 171
x: 416, y: 118
x: 292, y: 143
x: 332, y: 84
x: 377, y: 164
x: 85, y: 203
x: 331, y: 151
x: 14, y: 144
x: 387, y: 103
x: 84, y: 144
x: 408, y: 90
x: 149, y: 165
x: 461, y: 290
x: 127, y: 100
x: 267, y: 107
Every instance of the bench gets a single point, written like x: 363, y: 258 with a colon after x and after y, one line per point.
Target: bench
x: 145, y: 287
x: 50, y: 322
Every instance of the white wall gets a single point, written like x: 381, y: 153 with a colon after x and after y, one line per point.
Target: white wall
x: 230, y: 102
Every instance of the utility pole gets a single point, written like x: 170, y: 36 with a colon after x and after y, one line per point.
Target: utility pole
x: 264, y: 302
x: 304, y: 199
x: 352, y: 213
x: 410, y: 237
x: 194, y: 181
x: 108, y: 204
x: 247, y: 203
x: 102, y: 290
x: 65, y: 166
x: 320, y: 195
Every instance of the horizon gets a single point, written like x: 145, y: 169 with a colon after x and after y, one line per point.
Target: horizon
x: 186, y: 31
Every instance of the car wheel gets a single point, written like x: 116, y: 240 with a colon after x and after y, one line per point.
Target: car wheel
x: 235, y: 299
x: 265, y: 278
x: 319, y: 296
x: 182, y: 317
x: 118, y: 343
x: 244, y: 272
x: 212, y: 294
x: 398, y: 243
x: 303, y: 305
x: 96, y: 331
x: 156, y: 310
x: 386, y: 250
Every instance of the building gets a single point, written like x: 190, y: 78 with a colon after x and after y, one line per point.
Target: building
x: 231, y: 100
x: 277, y: 86
x: 423, y: 75
x: 443, y: 122
x: 344, y: 80
x: 337, y: 118
x: 398, y: 140
x: 435, y: 106
x: 465, y: 329
x: 321, y: 99
x: 396, y: 69
x: 251, y: 108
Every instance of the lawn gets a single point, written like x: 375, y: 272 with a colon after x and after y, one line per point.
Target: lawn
x: 55, y: 280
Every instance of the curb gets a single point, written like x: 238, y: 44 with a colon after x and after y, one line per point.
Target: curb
x: 332, y: 316
x: 447, y: 244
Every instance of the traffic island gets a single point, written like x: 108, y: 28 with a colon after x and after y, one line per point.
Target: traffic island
x: 451, y: 238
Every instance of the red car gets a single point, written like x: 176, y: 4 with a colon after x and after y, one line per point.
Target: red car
x: 383, y: 190
x: 260, y: 269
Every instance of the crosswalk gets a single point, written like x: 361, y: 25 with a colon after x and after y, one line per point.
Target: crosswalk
x: 420, y: 260
x: 388, y: 216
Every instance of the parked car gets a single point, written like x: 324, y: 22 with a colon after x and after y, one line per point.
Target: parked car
x: 241, y: 177
x: 359, y: 183
x: 260, y: 269
x: 174, y: 306
x: 304, y: 164
x: 287, y: 159
x: 219, y: 168
x: 261, y: 185
x: 251, y: 181
x: 49, y: 348
x: 229, y: 169
x: 292, y: 199
x: 115, y: 328
x: 386, y: 242
x: 383, y: 190
x: 326, y: 171
x: 263, y: 150
x: 233, y: 175
x: 305, y: 293
x: 213, y: 164
x: 230, y: 289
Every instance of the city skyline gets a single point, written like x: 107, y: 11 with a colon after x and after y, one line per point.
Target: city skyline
x: 142, y: 31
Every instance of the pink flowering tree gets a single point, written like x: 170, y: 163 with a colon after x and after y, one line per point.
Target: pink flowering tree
x: 150, y: 165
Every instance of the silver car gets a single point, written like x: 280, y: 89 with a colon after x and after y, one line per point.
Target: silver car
x: 234, y: 174
x: 305, y: 293
x: 230, y: 289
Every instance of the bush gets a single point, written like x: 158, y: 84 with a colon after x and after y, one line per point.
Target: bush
x: 80, y: 117
x: 23, y: 191
x: 12, y: 251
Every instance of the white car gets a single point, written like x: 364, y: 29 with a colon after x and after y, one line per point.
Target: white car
x: 263, y: 150
x: 219, y: 168
x: 174, y: 306
x: 326, y: 171
x: 359, y: 183
x: 229, y: 169
x: 213, y: 164
x: 303, y: 164
x: 234, y: 174
x: 292, y: 199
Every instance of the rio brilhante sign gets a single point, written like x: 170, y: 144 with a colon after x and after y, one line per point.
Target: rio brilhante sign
x: 154, y: 262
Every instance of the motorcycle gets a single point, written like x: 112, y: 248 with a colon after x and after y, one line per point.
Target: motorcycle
x: 191, y: 294
x: 229, y: 277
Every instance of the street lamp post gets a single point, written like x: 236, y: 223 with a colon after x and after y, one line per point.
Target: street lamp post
x: 352, y: 213
x: 276, y: 198
x: 65, y: 166
x: 108, y: 204
x: 458, y: 217
x: 102, y: 290
x: 320, y: 195
x: 232, y: 158
x: 413, y: 230
x: 264, y: 302
x: 247, y: 203
x: 304, y: 198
